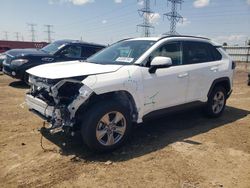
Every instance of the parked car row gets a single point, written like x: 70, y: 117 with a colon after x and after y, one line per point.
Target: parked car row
x: 128, y: 82
x: 2, y: 58
x: 17, y: 61
x: 4, y: 49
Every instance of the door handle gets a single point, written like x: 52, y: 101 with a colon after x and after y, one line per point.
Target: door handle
x: 183, y: 75
x: 214, y: 68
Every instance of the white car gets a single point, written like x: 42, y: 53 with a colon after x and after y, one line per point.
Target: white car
x: 130, y: 81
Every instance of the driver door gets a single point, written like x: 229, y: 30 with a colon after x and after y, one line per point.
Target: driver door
x: 70, y: 53
x: 167, y: 86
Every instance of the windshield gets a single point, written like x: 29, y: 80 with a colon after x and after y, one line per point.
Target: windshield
x: 124, y: 52
x: 53, y: 47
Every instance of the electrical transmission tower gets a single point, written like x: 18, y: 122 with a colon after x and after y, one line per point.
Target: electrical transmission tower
x: 49, y: 32
x: 174, y: 17
x: 6, y: 33
x: 17, y: 35
x: 147, y: 14
x: 32, y: 31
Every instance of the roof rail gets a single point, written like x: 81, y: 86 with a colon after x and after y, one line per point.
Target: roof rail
x: 124, y: 39
x: 120, y: 41
x: 87, y: 43
x: 169, y: 36
x: 80, y: 42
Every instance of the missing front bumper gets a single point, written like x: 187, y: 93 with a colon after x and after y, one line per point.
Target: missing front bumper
x: 58, y: 117
x: 38, y: 106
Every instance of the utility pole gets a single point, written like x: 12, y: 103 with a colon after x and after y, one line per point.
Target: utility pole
x: 32, y: 31
x: 147, y: 14
x: 174, y: 17
x: 17, y: 35
x: 49, y: 32
x: 6, y: 33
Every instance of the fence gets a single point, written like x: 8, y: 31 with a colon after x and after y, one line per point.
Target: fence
x: 238, y: 53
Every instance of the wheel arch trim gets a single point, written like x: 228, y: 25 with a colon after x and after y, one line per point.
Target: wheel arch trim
x: 220, y: 81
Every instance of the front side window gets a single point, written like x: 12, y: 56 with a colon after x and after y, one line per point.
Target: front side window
x: 72, y: 52
x: 197, y: 52
x: 124, y: 52
x: 171, y: 50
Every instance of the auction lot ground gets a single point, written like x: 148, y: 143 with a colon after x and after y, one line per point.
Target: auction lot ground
x: 184, y: 150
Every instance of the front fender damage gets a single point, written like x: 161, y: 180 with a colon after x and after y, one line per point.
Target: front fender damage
x: 65, y: 98
x: 64, y: 114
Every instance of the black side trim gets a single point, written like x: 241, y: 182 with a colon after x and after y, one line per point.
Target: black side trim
x: 222, y: 79
x: 229, y: 93
x: 173, y: 109
x: 248, y: 79
x: 233, y: 65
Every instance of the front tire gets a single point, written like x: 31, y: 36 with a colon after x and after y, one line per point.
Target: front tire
x: 106, y: 126
x: 216, y: 102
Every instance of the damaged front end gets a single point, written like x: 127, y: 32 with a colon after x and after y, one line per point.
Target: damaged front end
x: 57, y: 100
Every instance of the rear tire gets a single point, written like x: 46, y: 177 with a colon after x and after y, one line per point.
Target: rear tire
x: 216, y: 102
x: 106, y: 126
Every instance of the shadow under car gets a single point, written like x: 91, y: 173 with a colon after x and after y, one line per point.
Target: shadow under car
x: 150, y: 136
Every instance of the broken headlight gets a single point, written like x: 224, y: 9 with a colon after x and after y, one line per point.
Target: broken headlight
x: 68, y: 91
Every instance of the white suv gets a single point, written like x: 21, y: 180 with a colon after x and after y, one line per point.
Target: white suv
x: 130, y: 81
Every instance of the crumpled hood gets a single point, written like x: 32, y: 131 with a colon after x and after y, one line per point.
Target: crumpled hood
x: 26, y: 52
x: 70, y: 69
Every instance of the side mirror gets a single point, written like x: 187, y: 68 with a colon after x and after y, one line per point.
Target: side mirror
x: 159, y: 62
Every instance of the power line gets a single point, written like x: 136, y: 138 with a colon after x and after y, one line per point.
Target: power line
x: 17, y: 35
x: 91, y: 21
x: 49, y: 32
x: 32, y: 31
x: 119, y: 23
x: 173, y: 16
x: 147, y: 14
x: 6, y: 33
x: 96, y: 18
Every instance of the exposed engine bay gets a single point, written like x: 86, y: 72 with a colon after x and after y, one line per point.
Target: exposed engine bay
x: 57, y: 100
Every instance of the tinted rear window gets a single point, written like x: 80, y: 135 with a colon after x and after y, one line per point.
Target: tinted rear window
x: 215, y: 53
x: 200, y: 52
x: 88, y: 51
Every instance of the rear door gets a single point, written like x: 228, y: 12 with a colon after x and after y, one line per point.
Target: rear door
x: 69, y: 53
x: 202, y: 62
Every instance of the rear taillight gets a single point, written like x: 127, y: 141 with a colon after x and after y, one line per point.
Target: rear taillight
x: 233, y: 65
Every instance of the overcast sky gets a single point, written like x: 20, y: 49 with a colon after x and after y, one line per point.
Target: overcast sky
x: 106, y: 21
